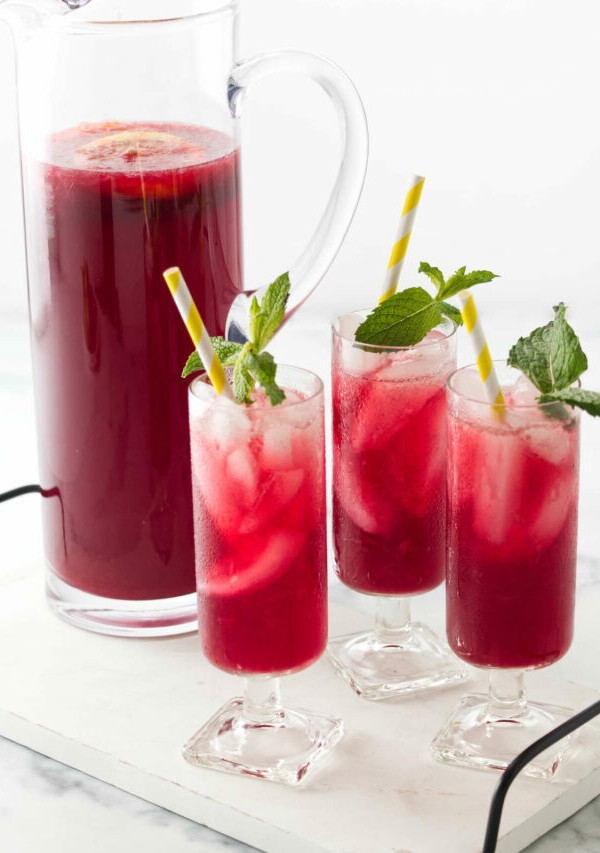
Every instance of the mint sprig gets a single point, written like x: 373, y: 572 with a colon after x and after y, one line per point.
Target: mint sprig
x: 552, y: 358
x: 250, y: 364
x: 405, y: 318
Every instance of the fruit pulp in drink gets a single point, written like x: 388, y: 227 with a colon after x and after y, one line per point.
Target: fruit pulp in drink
x: 258, y: 475
x: 389, y: 434
x: 512, y: 530
x: 120, y: 202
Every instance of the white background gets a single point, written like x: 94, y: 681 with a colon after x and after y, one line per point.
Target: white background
x: 495, y: 101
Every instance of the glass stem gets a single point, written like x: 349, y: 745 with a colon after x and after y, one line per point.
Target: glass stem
x: 506, y: 694
x: 262, y: 700
x: 392, y: 620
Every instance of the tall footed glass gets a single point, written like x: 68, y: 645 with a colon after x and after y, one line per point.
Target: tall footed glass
x: 258, y: 475
x: 129, y: 114
x: 389, y: 503
x: 512, y: 535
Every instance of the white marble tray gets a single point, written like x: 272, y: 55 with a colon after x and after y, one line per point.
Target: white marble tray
x: 121, y: 709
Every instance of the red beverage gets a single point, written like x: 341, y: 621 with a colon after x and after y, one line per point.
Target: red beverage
x: 512, y: 493
x: 389, y: 453
x: 122, y: 203
x: 258, y: 476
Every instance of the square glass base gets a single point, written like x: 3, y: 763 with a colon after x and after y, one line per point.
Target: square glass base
x: 473, y: 737
x: 286, y: 749
x: 380, y: 670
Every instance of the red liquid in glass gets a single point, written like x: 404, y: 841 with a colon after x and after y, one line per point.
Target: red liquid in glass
x: 512, y: 540
x: 389, y: 431
x: 109, y: 345
x: 260, y: 522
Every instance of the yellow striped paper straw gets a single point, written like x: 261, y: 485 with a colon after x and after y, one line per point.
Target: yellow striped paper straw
x: 492, y: 388
x: 197, y: 330
x: 407, y: 218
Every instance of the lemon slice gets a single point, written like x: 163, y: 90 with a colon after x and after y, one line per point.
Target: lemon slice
x: 133, y: 148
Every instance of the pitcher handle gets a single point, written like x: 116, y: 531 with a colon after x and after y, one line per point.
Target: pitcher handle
x: 315, y: 260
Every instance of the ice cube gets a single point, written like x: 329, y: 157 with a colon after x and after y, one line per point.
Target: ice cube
x: 396, y: 366
x: 425, y: 362
x: 360, y: 362
x: 296, y: 417
x: 554, y: 506
x: 497, y: 484
x: 273, y: 496
x: 384, y: 408
x: 522, y: 393
x: 284, y: 488
x: 292, y: 396
x: 370, y: 510
x: 550, y: 441
x: 471, y: 393
x: 468, y: 384
x: 426, y: 480
x: 308, y: 446
x: 243, y: 472
x: 277, y: 452
x: 257, y: 563
x: 209, y: 480
x: 228, y: 427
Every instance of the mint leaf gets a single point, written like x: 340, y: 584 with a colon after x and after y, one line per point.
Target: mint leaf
x: 266, y: 317
x: 262, y: 369
x: 434, y: 274
x: 553, y: 360
x: 243, y: 382
x: 192, y: 365
x: 462, y: 280
x: 402, y: 320
x: 227, y: 353
x: 551, y: 356
x: 589, y: 401
x: 452, y: 312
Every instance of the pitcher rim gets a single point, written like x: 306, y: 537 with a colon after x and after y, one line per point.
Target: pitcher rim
x: 219, y: 9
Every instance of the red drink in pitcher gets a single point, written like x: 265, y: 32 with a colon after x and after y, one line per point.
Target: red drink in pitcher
x: 258, y: 475
x: 123, y: 202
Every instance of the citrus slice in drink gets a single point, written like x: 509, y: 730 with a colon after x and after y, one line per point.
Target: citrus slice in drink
x: 259, y: 561
x: 133, y: 149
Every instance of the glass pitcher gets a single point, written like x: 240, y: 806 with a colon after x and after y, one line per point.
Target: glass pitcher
x: 131, y: 163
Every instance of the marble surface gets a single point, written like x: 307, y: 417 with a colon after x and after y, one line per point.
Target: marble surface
x: 46, y: 805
